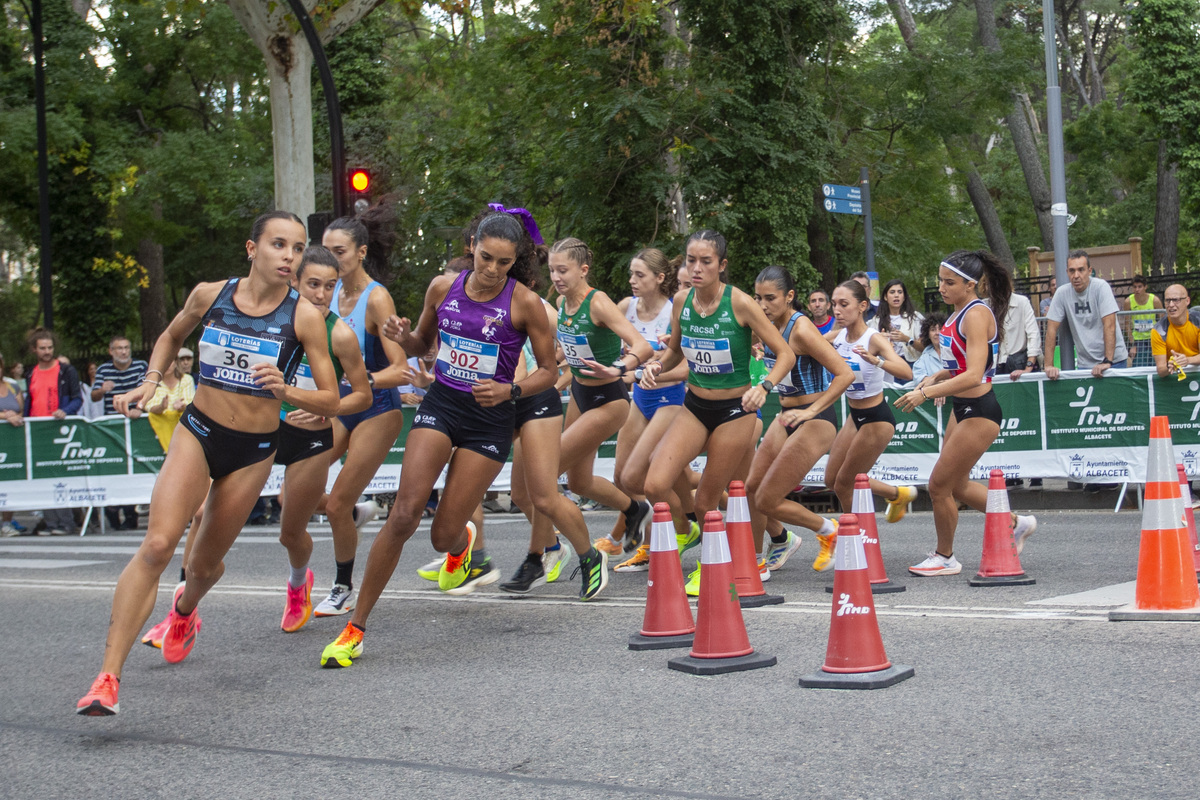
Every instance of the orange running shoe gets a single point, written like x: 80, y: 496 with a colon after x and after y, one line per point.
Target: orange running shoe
x: 181, y: 631
x: 298, y: 607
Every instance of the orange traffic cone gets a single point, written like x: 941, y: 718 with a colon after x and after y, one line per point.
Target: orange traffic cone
x: 864, y: 509
x: 1185, y: 492
x: 1000, y: 565
x: 1166, y: 576
x: 854, y: 658
x: 751, y: 593
x: 668, y: 619
x: 721, y: 643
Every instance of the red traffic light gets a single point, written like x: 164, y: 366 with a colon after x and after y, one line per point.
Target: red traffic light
x: 360, y: 180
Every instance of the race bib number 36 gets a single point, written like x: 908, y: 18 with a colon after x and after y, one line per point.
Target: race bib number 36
x: 707, y: 356
x: 465, y: 359
x: 226, y: 358
x: 575, y: 348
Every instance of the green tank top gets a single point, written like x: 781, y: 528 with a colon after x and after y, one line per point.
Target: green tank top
x: 304, y: 379
x: 581, y: 338
x: 1143, y: 324
x: 716, y: 347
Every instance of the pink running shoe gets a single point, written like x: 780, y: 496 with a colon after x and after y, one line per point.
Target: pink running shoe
x: 101, y: 699
x: 180, y: 635
x: 298, y: 607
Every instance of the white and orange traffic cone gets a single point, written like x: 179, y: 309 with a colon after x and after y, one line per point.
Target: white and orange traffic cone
x: 854, y: 657
x: 1000, y: 564
x: 1185, y: 494
x: 751, y: 593
x: 1166, y: 574
x: 668, y: 620
x: 863, y: 508
x: 721, y: 644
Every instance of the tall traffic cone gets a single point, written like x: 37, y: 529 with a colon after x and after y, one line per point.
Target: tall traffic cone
x: 864, y: 509
x: 1185, y: 493
x: 1000, y: 565
x: 751, y: 593
x: 721, y: 643
x: 1166, y: 576
x: 668, y: 619
x: 854, y: 658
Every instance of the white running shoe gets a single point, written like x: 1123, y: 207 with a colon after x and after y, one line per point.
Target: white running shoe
x: 553, y: 561
x: 340, y: 601
x: 1024, y: 528
x: 364, y: 513
x: 777, y: 554
x: 935, y: 564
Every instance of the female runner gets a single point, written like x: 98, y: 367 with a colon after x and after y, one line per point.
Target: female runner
x: 590, y: 331
x: 806, y: 397
x: 711, y: 328
x: 365, y: 438
x: 466, y: 419
x: 869, y: 425
x: 255, y: 331
x: 969, y: 343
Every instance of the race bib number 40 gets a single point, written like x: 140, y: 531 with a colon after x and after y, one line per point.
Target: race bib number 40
x: 465, y: 359
x: 227, y: 358
x: 707, y: 356
x: 575, y: 348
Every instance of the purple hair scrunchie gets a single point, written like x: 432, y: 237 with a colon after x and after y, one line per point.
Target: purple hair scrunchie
x: 526, y: 219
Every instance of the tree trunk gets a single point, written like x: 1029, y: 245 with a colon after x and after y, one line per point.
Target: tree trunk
x: 673, y: 61
x: 152, y: 299
x: 820, y: 251
x: 1166, y: 214
x: 988, y: 218
x: 1022, y: 136
x: 904, y: 21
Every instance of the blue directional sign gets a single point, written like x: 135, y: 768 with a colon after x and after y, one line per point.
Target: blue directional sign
x: 842, y: 192
x: 843, y: 206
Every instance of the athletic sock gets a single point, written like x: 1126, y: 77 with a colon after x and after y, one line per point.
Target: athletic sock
x: 345, y: 573
x: 182, y: 576
x: 781, y: 538
x: 632, y: 510
x: 691, y: 515
x: 358, y: 627
x: 826, y: 528
x: 299, y: 576
x: 534, y: 558
x: 553, y: 547
x: 479, y: 556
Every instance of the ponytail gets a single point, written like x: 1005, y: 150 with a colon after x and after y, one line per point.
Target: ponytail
x: 783, y: 279
x: 990, y: 275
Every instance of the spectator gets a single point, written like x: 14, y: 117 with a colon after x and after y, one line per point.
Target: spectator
x: 11, y: 407
x: 928, y: 341
x: 865, y: 280
x: 169, y: 401
x: 422, y: 369
x: 1141, y: 354
x: 91, y: 408
x: 186, y: 360
x: 1022, y: 344
x: 1175, y: 339
x: 900, y: 321
x: 1044, y: 306
x: 53, y: 392
x: 121, y: 375
x: 818, y: 309
x: 1090, y: 310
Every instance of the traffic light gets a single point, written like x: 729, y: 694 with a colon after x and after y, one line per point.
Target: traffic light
x: 360, y: 188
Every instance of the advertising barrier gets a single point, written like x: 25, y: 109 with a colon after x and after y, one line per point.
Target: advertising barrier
x: 1078, y: 427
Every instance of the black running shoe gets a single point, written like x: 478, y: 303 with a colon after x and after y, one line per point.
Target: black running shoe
x: 634, y: 525
x: 529, y: 575
x: 594, y: 566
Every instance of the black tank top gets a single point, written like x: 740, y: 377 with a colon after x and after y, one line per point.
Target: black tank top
x: 232, y: 342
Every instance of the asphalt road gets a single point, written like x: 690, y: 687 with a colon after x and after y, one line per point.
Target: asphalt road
x: 1019, y: 692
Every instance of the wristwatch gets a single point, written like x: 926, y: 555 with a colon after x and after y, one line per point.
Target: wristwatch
x: 621, y: 365
x: 767, y: 386
x: 516, y: 392
x: 371, y: 380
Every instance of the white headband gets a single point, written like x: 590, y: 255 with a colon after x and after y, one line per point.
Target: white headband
x: 950, y: 266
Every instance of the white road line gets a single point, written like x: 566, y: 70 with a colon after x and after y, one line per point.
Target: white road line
x: 45, y: 563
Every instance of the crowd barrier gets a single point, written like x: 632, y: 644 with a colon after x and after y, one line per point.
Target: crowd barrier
x: 1078, y: 427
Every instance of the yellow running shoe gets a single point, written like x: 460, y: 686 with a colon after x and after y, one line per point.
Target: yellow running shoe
x: 691, y: 540
x: 345, y: 648
x: 896, y: 509
x: 639, y: 563
x: 828, y: 541
x: 430, y: 571
x: 608, y: 546
x: 457, y: 566
x: 692, y: 587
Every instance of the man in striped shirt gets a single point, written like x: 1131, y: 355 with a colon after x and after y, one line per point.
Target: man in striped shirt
x: 121, y: 375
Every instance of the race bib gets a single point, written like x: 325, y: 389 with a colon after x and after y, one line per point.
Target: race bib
x: 576, y: 349
x: 1143, y: 324
x: 465, y: 359
x: 226, y: 358
x: 785, y: 386
x: 948, y: 360
x: 707, y: 356
x: 303, y: 379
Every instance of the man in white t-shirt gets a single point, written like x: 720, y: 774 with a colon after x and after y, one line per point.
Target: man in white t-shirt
x: 1090, y: 309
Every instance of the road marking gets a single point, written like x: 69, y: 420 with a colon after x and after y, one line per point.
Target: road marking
x: 45, y: 563
x: 1119, y: 594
